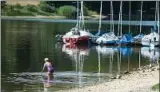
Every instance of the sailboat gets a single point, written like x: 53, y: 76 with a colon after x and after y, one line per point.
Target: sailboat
x: 138, y: 38
x: 100, y: 32
x: 78, y: 34
x: 108, y: 38
x: 125, y: 39
x: 153, y: 37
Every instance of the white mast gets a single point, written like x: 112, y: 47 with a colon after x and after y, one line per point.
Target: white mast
x: 77, y: 25
x: 100, y: 19
x: 121, y: 16
x: 129, y: 16
x: 82, y: 15
x: 141, y: 17
x: 111, y: 18
x: 158, y: 15
x: 120, y: 11
x: 156, y: 12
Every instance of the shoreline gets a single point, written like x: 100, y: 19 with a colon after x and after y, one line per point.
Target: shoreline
x: 63, y: 19
x: 135, y: 81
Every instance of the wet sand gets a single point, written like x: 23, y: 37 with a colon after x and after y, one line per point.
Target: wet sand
x: 137, y: 81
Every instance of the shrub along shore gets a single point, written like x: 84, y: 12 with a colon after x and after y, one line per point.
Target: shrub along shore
x: 44, y: 9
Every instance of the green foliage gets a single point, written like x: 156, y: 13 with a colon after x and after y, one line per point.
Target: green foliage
x: 85, y: 10
x: 156, y: 87
x: 68, y: 11
x: 3, y: 4
x: 31, y: 8
x: 45, y: 7
x: 18, y: 6
x: 90, y: 12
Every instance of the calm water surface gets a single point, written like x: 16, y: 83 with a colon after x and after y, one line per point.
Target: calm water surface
x: 26, y: 43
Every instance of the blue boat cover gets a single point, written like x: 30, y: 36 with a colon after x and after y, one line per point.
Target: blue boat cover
x: 126, y: 38
x: 139, y: 36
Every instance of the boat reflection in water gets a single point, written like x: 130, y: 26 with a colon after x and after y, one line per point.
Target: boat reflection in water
x: 79, y: 54
x: 152, y: 54
x: 125, y: 51
x: 74, y: 50
x: 106, y: 50
x: 114, y: 54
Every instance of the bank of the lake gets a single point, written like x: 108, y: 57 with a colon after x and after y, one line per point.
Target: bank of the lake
x: 57, y: 17
x: 88, y: 19
x: 137, y: 81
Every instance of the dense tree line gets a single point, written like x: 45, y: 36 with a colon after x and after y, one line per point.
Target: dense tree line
x: 68, y: 9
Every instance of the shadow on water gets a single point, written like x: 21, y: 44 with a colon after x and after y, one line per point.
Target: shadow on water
x: 25, y: 44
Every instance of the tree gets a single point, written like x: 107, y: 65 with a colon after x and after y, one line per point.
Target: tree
x: 68, y: 11
x: 3, y: 4
x: 46, y: 7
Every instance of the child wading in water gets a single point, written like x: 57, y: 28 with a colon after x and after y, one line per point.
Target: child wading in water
x: 49, y: 67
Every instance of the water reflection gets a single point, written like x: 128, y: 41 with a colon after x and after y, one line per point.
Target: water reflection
x: 151, y: 54
x: 77, y: 53
x: 106, y: 50
x: 110, y: 63
x: 47, y: 82
x: 125, y: 51
x: 23, y: 48
x: 74, y: 49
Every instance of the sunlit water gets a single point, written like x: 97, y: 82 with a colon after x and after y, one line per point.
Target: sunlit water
x: 26, y: 43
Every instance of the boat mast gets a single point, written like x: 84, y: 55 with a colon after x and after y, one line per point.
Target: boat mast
x: 158, y: 14
x: 129, y: 16
x: 121, y: 16
x: 111, y: 18
x: 100, y: 19
x: 77, y: 25
x: 141, y: 17
x: 83, y: 26
x: 155, y: 19
x: 119, y: 33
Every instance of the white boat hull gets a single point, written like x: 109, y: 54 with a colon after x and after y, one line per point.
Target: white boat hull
x: 151, y: 39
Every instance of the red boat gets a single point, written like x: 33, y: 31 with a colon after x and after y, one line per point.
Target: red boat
x: 76, y: 36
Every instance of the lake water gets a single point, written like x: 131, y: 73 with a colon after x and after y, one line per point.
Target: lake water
x: 26, y: 43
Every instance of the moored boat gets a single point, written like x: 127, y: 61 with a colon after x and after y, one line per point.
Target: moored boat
x: 152, y: 38
x: 76, y: 36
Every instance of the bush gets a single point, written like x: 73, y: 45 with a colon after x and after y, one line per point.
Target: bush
x: 90, y: 12
x: 155, y: 87
x: 3, y: 4
x: 18, y: 6
x: 67, y: 11
x: 85, y: 10
x: 45, y: 7
x: 31, y: 8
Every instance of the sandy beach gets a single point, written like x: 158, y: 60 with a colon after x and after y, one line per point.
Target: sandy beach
x: 136, y: 81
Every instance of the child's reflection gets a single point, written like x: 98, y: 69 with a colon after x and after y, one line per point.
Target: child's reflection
x: 48, y: 81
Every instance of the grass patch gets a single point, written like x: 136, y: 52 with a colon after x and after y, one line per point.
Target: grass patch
x: 155, y: 87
